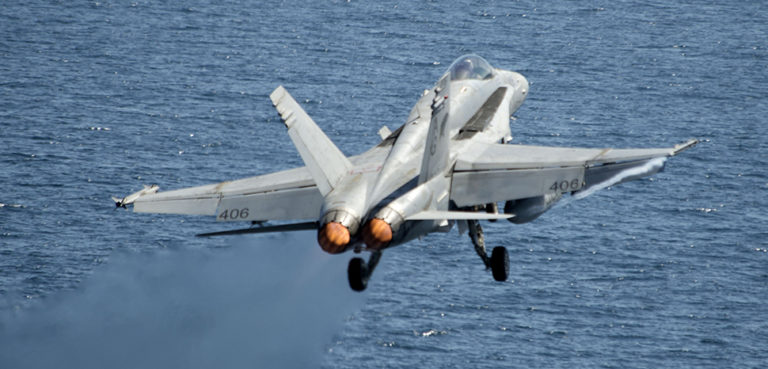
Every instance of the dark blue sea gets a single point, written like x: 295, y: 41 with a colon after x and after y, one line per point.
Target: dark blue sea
x: 99, y: 98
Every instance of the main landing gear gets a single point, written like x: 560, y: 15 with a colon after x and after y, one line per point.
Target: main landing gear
x: 358, y: 271
x: 499, y: 260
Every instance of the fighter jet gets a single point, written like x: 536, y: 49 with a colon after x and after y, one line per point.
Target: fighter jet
x: 450, y: 164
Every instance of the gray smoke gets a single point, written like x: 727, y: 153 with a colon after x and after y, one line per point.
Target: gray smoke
x: 265, y: 302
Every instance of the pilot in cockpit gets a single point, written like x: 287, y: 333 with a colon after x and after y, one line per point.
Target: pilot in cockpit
x: 470, y: 67
x: 461, y: 70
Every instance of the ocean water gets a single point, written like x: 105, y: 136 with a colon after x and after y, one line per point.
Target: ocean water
x: 99, y: 98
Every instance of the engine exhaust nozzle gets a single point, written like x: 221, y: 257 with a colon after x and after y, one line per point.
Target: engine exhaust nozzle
x: 381, y: 230
x: 377, y: 234
x: 333, y: 237
x: 338, y: 228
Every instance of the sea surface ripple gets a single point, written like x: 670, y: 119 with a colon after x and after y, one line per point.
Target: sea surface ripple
x: 99, y: 98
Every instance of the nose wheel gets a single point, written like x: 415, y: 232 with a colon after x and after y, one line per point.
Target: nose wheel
x: 359, y: 272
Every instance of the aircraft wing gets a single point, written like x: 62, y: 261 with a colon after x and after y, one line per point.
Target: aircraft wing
x: 495, y: 172
x: 285, y: 195
x: 294, y: 194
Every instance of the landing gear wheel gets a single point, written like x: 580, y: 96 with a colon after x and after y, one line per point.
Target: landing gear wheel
x: 500, y: 263
x: 357, y: 272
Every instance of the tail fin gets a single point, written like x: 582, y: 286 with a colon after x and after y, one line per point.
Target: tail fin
x: 323, y: 159
x: 437, y: 147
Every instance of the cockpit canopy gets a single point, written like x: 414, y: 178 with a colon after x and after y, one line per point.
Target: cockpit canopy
x: 470, y: 67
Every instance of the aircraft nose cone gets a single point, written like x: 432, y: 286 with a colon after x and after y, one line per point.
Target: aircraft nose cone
x: 377, y: 234
x: 333, y: 238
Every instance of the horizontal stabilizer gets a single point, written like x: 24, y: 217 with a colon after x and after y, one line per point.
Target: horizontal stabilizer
x: 264, y: 229
x: 456, y: 215
x: 323, y: 159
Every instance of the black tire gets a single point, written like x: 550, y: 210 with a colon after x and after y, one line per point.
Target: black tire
x: 500, y: 263
x: 357, y: 273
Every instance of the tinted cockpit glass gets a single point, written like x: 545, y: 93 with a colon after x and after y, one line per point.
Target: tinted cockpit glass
x: 470, y: 67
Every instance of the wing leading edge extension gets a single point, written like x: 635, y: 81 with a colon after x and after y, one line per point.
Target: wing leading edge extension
x: 496, y: 172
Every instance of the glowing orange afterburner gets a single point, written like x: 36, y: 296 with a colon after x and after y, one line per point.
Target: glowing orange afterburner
x: 377, y: 233
x: 333, y: 238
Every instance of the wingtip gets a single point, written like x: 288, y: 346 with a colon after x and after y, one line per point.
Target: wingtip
x: 685, y: 146
x: 118, y: 202
x: 277, y: 94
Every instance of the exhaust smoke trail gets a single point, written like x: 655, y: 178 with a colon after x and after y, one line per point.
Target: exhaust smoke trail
x: 265, y: 302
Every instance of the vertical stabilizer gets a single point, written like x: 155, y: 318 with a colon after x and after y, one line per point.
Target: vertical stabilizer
x: 437, y: 147
x: 323, y: 159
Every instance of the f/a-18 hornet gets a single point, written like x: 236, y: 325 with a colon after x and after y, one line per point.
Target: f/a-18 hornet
x: 451, y: 163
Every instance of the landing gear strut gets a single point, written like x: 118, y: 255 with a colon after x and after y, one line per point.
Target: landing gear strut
x: 358, y: 271
x: 499, y: 260
x: 476, y: 235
